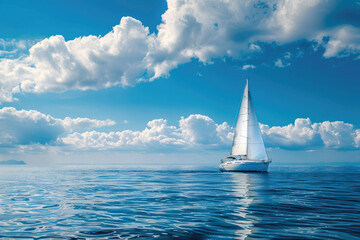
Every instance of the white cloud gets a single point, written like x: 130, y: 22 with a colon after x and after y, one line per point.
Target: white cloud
x: 14, y: 49
x: 337, y: 134
x: 194, y: 131
x: 53, y: 64
x: 71, y: 124
x: 202, y: 29
x: 299, y: 134
x: 248, y: 66
x: 225, y: 133
x: 156, y: 135
x: 198, y: 132
x: 280, y: 64
x: 344, y: 41
x: 287, y: 55
x: 29, y: 130
x: 118, y: 58
x: 284, y: 61
x: 255, y: 47
x: 24, y: 127
x: 304, y: 134
x: 5, y: 53
x: 13, y: 44
x: 357, y: 138
x: 200, y: 129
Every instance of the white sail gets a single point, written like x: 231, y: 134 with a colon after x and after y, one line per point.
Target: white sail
x: 241, y: 131
x: 256, y: 147
x: 247, y: 139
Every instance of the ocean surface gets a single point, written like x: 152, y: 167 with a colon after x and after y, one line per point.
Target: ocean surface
x: 179, y: 202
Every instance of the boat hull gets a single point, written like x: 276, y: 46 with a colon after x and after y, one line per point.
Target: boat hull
x: 244, y: 166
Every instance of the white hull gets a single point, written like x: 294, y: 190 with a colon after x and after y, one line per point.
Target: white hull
x: 244, y: 166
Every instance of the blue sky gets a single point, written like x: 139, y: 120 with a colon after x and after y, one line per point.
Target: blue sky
x: 64, y: 99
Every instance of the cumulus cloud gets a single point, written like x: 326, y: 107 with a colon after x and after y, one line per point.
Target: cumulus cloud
x: 25, y: 127
x: 193, y: 132
x: 194, y: 127
x: 30, y: 129
x: 299, y: 134
x: 304, y: 134
x: 91, y: 62
x: 337, y: 134
x: 198, y: 132
x: 357, y: 138
x: 202, y: 29
x: 156, y: 134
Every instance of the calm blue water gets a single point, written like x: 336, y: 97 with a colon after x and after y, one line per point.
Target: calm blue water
x: 110, y: 202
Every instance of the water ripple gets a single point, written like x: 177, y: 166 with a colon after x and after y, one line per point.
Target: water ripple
x: 88, y: 202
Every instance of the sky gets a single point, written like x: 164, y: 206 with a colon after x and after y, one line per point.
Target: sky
x: 160, y: 82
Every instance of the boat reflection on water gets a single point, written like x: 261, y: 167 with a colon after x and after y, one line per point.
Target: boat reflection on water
x: 243, y: 198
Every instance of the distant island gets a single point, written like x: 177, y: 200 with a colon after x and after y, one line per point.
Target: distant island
x: 12, y: 162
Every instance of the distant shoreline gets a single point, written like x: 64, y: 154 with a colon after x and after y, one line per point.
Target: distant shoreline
x: 12, y: 162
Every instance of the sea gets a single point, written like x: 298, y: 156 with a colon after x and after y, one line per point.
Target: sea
x: 178, y: 202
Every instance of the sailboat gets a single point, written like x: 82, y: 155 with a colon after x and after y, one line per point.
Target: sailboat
x: 248, y: 153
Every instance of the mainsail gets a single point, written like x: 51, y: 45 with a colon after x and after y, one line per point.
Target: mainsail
x: 247, y: 139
